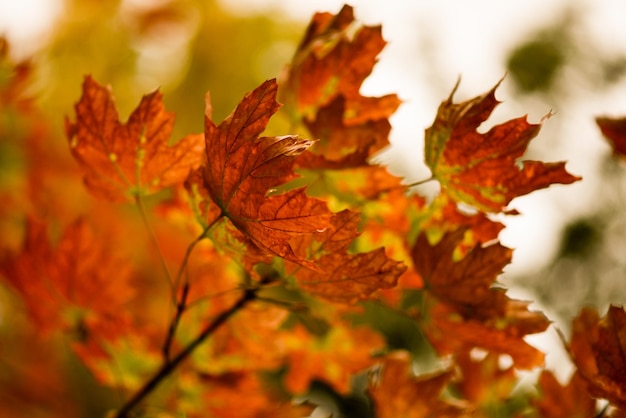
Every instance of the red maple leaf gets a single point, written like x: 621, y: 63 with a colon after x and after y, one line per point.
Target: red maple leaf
x: 81, y: 287
x: 483, y: 382
x: 333, y: 59
x: 346, y: 277
x: 78, y: 277
x: 569, y: 401
x: 469, y: 306
x: 465, y: 284
x: 242, y: 168
x: 483, y: 169
x: 399, y: 393
x: 121, y: 161
x: 322, y: 90
x: 598, y: 348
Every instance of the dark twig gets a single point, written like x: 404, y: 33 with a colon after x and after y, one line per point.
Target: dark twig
x: 169, y: 366
x: 181, y: 304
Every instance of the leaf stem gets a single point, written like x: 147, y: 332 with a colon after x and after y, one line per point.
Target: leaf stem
x: 169, y: 366
x: 419, y: 183
x: 181, y: 305
x: 153, y: 240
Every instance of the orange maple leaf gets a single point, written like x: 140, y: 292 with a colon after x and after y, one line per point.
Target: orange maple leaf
x: 122, y: 161
x: 503, y: 335
x: 242, y: 168
x: 488, y: 318
x: 333, y: 59
x: 399, y: 393
x: 598, y: 348
x: 346, y: 277
x: 615, y: 132
x: 483, y: 169
x: 465, y: 284
x: 483, y: 382
x: 444, y: 215
x: 80, y: 278
x: 333, y: 358
x: 81, y: 287
x: 345, y: 143
x: 322, y: 90
x: 226, y: 390
x: 569, y: 401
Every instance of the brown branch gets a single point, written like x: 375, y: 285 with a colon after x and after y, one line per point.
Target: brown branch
x: 181, y: 305
x: 169, y: 366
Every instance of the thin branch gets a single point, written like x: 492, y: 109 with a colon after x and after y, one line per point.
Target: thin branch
x: 181, y: 305
x: 603, y: 411
x: 190, y: 248
x: 168, y: 367
x: 209, y: 296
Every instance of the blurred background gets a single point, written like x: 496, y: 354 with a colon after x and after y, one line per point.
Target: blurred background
x: 564, y: 56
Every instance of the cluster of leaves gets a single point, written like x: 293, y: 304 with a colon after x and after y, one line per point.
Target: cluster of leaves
x: 289, y: 253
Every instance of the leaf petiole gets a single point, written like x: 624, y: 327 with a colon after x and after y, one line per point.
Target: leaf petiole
x: 153, y: 240
x: 419, y: 183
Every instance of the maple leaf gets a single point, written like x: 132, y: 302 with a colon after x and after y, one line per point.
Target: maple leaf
x: 443, y: 215
x: 483, y: 381
x: 569, y: 401
x: 257, y: 339
x: 226, y: 390
x: 345, y: 143
x: 465, y: 284
x: 615, y: 132
x: 483, y: 169
x: 598, y: 348
x: 399, y: 393
x: 121, y: 161
x: 488, y: 318
x: 503, y: 335
x: 349, y: 278
x: 81, y: 287
x: 253, y: 340
x: 242, y: 168
x: 334, y: 58
x: 322, y: 90
x: 333, y: 358
x: 346, y: 277
x: 78, y: 277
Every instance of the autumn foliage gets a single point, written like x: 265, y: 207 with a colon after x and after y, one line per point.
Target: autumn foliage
x: 229, y: 273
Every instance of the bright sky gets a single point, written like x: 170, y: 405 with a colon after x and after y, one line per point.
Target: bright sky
x: 431, y: 44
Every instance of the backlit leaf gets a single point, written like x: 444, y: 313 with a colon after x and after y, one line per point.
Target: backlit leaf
x: 63, y: 284
x: 123, y: 160
x: 598, y: 348
x: 335, y: 57
x: 571, y: 400
x: 471, y: 308
x: 483, y: 170
x: 465, y: 284
x: 345, y: 277
x: 399, y: 393
x: 322, y: 90
x: 242, y: 168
